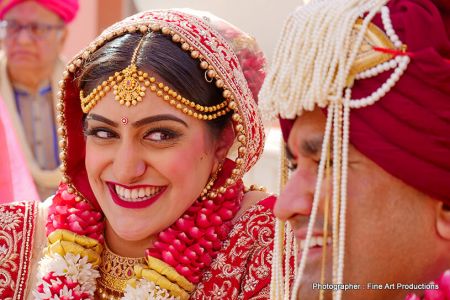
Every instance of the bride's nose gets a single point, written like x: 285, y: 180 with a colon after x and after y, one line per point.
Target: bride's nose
x: 128, y: 165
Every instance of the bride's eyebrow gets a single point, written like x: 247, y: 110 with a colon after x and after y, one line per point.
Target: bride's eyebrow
x: 101, y: 119
x: 157, y: 118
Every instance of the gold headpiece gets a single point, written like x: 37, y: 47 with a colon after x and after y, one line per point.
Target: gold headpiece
x: 130, y: 85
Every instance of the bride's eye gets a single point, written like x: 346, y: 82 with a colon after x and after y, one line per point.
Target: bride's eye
x: 101, y: 133
x: 161, y: 135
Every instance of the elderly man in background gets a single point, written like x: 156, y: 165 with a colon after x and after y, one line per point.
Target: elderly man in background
x: 33, y: 34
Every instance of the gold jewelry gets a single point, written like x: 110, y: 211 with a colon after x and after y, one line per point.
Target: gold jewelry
x: 115, y: 271
x: 164, y: 276
x: 130, y: 85
x: 63, y: 241
x: 255, y: 187
x: 211, y: 181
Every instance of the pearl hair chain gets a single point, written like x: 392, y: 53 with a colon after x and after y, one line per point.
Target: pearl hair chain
x: 324, y: 53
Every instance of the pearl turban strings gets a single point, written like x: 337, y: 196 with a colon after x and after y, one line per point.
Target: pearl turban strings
x: 66, y: 9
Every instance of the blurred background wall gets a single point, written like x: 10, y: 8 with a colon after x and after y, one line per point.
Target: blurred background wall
x: 261, y: 18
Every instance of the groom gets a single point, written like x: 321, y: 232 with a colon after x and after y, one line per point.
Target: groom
x: 395, y: 223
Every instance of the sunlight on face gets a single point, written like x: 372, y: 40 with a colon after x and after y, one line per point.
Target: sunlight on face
x: 145, y: 174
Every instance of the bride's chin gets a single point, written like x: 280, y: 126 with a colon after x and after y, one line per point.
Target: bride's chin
x: 128, y: 233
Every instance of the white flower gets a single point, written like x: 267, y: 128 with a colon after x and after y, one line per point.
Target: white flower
x: 146, y: 290
x: 71, y: 266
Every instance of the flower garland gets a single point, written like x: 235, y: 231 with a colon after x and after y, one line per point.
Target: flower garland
x: 441, y: 293
x: 75, y: 238
x: 70, y: 276
x: 146, y: 290
x: 177, y: 259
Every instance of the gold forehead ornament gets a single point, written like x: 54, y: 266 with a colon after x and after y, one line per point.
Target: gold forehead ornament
x: 130, y: 86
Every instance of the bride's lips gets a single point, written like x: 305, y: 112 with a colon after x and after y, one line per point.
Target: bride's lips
x: 137, y: 196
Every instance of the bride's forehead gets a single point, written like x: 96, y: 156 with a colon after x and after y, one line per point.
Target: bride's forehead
x: 150, y: 103
x: 152, y: 107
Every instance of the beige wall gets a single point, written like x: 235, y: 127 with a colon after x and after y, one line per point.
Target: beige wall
x: 262, y: 19
x: 83, y: 29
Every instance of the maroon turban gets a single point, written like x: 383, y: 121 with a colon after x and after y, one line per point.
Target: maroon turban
x: 407, y: 132
x: 66, y: 9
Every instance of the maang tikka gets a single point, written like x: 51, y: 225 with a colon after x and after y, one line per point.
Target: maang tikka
x: 130, y: 85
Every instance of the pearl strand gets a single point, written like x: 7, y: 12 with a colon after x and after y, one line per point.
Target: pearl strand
x: 290, y: 67
x: 372, y: 72
x: 287, y: 259
x: 276, y: 280
x: 403, y: 62
x: 400, y: 62
x: 315, y: 204
x: 357, y: 44
x: 387, y: 23
x: 389, y: 29
x: 343, y: 190
x: 335, y: 194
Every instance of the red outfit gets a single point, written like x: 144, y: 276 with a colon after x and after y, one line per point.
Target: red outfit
x: 17, y: 224
x: 241, y: 269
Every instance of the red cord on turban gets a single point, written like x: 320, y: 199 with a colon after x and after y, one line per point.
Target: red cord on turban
x: 66, y: 9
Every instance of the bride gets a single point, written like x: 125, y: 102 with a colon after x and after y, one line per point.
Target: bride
x: 158, y: 126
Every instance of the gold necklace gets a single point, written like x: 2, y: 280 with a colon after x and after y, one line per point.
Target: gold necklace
x: 115, y: 271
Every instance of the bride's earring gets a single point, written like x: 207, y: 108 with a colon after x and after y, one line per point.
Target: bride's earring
x: 212, y: 180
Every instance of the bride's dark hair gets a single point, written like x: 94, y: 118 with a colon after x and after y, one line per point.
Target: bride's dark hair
x: 159, y: 56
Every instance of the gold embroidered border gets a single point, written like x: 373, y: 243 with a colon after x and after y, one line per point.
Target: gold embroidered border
x: 17, y: 224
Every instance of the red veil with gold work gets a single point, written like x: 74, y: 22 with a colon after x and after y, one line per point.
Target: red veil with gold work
x: 227, y: 259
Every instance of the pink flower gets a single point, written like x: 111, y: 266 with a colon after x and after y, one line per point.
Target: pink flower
x: 412, y: 297
x: 442, y: 293
x: 444, y: 283
x: 59, y: 286
x: 77, y: 216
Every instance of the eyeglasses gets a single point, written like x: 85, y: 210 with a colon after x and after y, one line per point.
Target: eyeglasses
x: 11, y: 28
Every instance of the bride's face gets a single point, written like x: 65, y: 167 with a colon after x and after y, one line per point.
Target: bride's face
x: 146, y: 164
